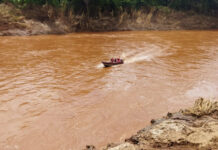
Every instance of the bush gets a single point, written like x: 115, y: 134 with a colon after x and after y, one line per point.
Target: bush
x: 92, y: 7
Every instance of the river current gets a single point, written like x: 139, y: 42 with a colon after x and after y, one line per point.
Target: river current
x: 56, y: 95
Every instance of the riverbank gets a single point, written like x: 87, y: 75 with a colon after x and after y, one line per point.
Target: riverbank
x: 47, y: 20
x: 193, y: 128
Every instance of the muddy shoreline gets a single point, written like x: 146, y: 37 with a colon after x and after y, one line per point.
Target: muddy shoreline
x: 193, y: 128
x: 47, y: 20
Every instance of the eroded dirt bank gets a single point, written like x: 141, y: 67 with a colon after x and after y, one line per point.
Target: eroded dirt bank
x: 47, y: 20
x: 194, y: 128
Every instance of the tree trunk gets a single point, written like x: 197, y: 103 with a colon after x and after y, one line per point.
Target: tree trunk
x: 87, y: 5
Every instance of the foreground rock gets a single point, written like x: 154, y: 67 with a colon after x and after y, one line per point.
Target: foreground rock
x: 48, y: 20
x: 194, y: 128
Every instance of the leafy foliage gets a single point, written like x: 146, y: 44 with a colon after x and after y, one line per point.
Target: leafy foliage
x: 92, y: 7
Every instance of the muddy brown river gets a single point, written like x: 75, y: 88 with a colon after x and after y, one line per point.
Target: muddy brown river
x: 56, y: 95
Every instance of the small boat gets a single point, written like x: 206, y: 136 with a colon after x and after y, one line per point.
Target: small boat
x: 113, y: 62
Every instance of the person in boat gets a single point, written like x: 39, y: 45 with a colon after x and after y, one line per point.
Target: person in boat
x: 115, y: 60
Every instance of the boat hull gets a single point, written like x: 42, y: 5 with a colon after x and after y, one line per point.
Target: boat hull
x: 109, y: 64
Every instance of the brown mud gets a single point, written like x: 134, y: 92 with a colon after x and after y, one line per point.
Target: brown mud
x: 46, y: 20
x: 194, y: 128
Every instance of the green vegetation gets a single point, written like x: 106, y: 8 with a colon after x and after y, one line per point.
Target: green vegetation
x: 93, y: 7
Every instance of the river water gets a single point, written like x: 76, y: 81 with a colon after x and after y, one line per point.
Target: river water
x: 56, y: 95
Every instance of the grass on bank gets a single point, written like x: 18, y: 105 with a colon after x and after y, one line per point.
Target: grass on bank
x: 202, y: 107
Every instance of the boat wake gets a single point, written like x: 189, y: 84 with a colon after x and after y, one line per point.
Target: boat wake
x: 138, y: 57
x: 100, y: 66
x: 142, y: 55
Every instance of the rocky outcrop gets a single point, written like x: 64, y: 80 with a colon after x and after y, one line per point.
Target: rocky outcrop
x: 14, y: 21
x: 193, y: 128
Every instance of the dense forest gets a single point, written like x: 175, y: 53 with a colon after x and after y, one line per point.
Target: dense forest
x: 63, y: 16
x: 92, y: 7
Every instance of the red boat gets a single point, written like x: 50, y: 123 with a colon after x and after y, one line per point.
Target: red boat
x: 113, y: 62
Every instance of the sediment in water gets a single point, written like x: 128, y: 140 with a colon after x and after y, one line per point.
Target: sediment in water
x: 47, y: 20
x: 193, y: 128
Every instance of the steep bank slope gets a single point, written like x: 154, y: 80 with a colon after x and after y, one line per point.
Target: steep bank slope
x: 14, y: 21
x: 47, y: 20
x: 194, y: 128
